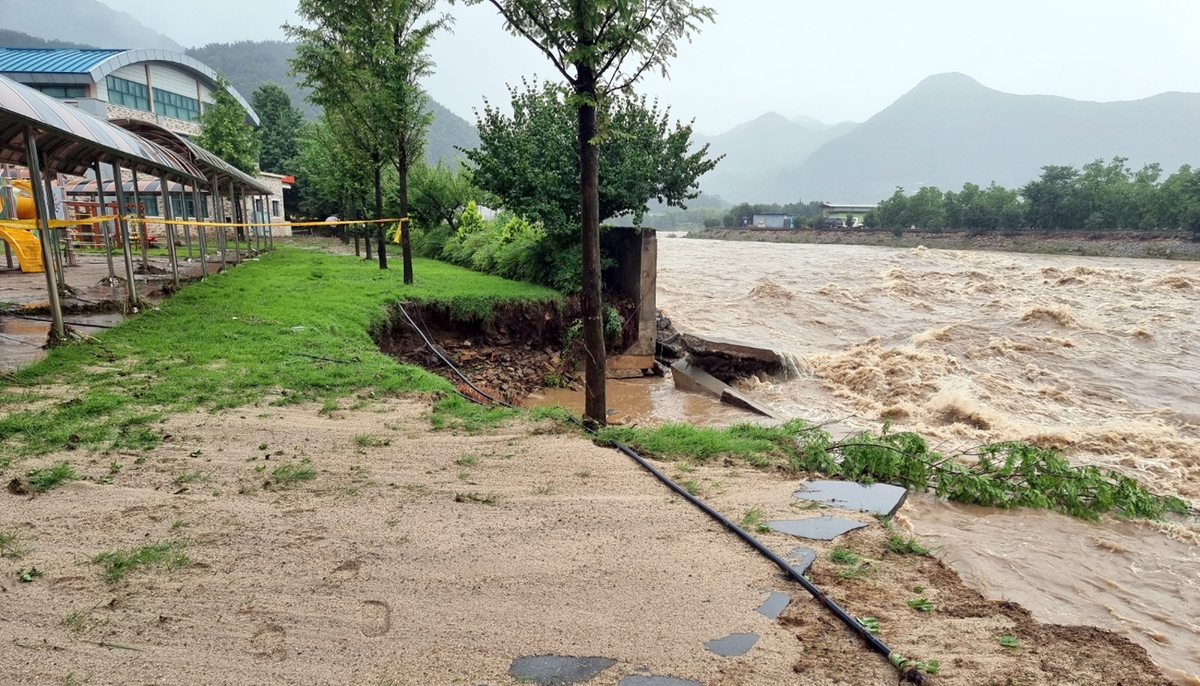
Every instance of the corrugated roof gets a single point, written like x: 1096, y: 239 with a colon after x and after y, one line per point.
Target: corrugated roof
x: 52, y: 60
x: 191, y: 152
x: 72, y: 139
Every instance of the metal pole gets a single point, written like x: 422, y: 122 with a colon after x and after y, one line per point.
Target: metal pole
x: 169, y: 216
x: 187, y: 230
x: 237, y: 211
x: 145, y: 230
x: 55, y: 238
x: 107, y: 235
x: 258, y: 217
x: 201, y: 232
x: 39, y: 203
x: 223, y: 239
x: 126, y: 249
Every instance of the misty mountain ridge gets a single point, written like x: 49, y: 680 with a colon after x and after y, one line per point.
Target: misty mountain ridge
x: 83, y: 22
x: 949, y: 130
x: 761, y: 154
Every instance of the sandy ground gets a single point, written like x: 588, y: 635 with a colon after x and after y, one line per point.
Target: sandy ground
x: 388, y: 569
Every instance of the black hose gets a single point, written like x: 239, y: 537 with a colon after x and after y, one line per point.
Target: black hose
x: 448, y: 363
x: 908, y: 672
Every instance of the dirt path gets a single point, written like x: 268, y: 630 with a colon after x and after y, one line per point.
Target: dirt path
x: 415, y: 557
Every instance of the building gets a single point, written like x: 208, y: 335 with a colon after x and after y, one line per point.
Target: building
x: 154, y: 93
x: 845, y: 215
x: 774, y: 221
x: 158, y: 86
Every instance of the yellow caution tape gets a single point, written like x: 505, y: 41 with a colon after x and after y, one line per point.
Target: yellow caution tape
x: 33, y: 224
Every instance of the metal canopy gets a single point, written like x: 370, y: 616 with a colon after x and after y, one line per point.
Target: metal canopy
x: 188, y: 150
x: 72, y: 140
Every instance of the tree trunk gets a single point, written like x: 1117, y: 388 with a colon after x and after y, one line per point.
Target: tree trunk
x: 595, y: 407
x: 405, y: 245
x: 377, y: 229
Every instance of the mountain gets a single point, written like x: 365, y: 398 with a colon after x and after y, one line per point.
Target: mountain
x: 247, y: 64
x: 88, y: 22
x: 761, y: 157
x: 16, y: 39
x: 951, y: 129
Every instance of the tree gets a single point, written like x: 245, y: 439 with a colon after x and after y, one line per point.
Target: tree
x: 280, y: 124
x: 599, y: 47
x: 365, y: 58
x: 437, y: 194
x: 331, y: 179
x: 1048, y: 200
x: 225, y: 133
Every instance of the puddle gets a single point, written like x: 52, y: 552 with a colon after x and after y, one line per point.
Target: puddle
x: 549, y: 670
x: 648, y: 400
x: 645, y: 680
x: 878, y: 499
x: 775, y: 605
x: 816, y: 528
x: 21, y: 339
x: 733, y: 645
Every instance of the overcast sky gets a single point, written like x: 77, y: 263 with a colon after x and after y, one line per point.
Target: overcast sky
x: 832, y: 60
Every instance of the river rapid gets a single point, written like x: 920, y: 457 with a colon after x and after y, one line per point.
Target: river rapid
x: 1098, y: 356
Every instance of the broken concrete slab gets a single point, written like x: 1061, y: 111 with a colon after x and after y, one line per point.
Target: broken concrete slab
x: 689, y: 377
x: 649, y: 680
x: 550, y: 670
x: 801, y: 558
x: 816, y: 528
x: 731, y: 396
x: 712, y: 345
x: 774, y: 605
x: 878, y: 499
x: 732, y: 360
x: 732, y: 645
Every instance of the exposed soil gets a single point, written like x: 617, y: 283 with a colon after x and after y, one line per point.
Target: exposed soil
x: 514, y: 353
x: 521, y: 349
x: 421, y: 557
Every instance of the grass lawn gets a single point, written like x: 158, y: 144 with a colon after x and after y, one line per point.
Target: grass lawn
x: 255, y: 332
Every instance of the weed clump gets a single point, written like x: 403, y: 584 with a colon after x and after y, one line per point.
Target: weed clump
x: 117, y: 563
x: 293, y: 473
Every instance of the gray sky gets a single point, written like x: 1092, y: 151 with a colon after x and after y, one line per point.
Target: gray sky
x: 832, y: 60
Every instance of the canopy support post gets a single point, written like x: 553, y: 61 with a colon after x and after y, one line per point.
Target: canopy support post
x: 58, y: 333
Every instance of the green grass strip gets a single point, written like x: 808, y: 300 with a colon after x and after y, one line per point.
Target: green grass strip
x: 296, y: 326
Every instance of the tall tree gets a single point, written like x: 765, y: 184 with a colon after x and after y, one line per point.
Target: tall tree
x: 280, y: 124
x: 365, y: 59
x: 225, y: 133
x: 526, y: 159
x: 599, y: 46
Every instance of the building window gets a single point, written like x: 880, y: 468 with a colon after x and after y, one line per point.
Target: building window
x: 64, y: 91
x: 128, y: 94
x: 174, y: 105
x: 275, y: 208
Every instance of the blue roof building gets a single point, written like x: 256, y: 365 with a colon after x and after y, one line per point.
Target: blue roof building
x: 159, y: 86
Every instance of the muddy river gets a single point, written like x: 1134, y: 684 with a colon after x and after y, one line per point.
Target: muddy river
x: 1096, y: 354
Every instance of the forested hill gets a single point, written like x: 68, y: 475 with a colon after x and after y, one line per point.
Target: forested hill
x: 951, y: 129
x: 249, y: 63
x: 88, y: 22
x: 16, y: 39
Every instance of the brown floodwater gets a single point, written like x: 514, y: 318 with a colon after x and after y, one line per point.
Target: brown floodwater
x: 23, y: 340
x: 1097, y: 355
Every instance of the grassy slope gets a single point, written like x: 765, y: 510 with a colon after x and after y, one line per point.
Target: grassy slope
x: 250, y: 334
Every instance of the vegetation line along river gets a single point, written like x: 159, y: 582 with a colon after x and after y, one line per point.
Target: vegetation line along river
x: 1092, y: 354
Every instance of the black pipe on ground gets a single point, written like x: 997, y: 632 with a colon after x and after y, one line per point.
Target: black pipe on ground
x: 908, y: 671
